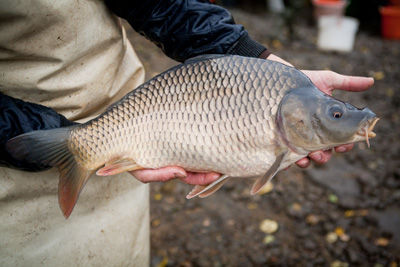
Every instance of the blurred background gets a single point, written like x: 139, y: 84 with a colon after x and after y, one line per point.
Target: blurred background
x: 344, y: 213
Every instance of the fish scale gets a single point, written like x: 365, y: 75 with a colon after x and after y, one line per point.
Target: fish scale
x: 222, y: 118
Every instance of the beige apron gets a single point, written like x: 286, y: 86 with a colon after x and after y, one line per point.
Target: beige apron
x: 73, y: 56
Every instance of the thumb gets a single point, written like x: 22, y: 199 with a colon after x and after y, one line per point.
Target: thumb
x: 327, y: 81
x: 350, y: 83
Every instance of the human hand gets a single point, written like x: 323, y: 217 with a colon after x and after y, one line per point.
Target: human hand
x: 327, y: 81
x: 173, y: 172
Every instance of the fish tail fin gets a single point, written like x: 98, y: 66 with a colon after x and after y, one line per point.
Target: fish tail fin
x: 50, y: 148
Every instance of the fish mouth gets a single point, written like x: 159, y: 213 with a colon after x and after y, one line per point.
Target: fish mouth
x: 366, y: 131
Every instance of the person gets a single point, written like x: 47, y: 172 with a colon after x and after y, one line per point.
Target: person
x: 65, y: 62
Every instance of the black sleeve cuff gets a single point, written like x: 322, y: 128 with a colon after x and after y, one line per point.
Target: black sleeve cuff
x: 246, y: 46
x: 18, y: 117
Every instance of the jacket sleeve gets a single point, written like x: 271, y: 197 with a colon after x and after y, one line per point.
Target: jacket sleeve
x: 18, y: 117
x: 187, y: 28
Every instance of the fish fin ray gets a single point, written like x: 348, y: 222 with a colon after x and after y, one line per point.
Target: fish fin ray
x: 213, y: 189
x: 45, y: 147
x: 206, y: 190
x: 72, y: 180
x: 260, y: 182
x: 118, y: 166
x: 196, y: 189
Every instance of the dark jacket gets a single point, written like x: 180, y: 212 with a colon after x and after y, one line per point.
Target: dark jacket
x: 182, y: 29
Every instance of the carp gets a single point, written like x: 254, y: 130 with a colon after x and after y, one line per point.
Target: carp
x: 238, y: 116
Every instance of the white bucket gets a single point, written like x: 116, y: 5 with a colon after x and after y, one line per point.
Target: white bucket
x: 336, y: 33
x: 276, y: 6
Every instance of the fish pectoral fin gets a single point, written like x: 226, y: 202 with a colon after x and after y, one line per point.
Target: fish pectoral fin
x: 118, y: 166
x: 260, y: 182
x: 207, y: 190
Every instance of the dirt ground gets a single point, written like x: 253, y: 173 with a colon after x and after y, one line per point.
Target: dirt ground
x: 344, y: 213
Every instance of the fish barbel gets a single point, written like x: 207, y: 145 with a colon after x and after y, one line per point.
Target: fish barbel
x: 238, y: 116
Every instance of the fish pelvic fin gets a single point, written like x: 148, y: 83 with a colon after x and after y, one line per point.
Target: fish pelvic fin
x: 50, y: 148
x: 262, y: 181
x: 118, y: 165
x: 203, y: 191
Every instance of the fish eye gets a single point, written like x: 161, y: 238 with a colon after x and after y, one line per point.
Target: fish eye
x: 336, y: 112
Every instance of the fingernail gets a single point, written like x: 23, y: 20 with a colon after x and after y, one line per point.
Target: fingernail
x: 179, y: 175
x: 341, y: 149
x: 318, y: 157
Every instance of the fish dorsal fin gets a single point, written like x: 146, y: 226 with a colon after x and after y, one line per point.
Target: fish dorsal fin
x: 118, y: 165
x: 260, y: 182
x: 205, y: 191
x: 203, y: 57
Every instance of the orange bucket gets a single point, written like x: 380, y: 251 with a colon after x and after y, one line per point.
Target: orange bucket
x: 390, y: 22
x: 328, y: 7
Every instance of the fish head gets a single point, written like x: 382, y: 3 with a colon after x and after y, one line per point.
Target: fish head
x: 311, y: 120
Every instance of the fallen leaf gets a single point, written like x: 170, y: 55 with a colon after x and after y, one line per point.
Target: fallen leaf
x: 296, y: 207
x: 276, y: 44
x: 218, y: 237
x: 378, y: 75
x: 163, y: 263
x: 344, y: 238
x: 333, y: 198
x: 364, y: 49
x: 312, y: 219
x: 268, y: 239
x: 390, y: 92
x: 158, y: 196
x: 155, y: 222
x: 266, y: 189
x: 382, y: 242
x: 363, y: 212
x: 349, y: 213
x: 206, y: 222
x: 331, y: 237
x: 269, y: 226
x: 339, y: 231
x: 252, y: 206
x: 339, y: 264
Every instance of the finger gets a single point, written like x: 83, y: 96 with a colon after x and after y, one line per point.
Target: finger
x: 303, y: 163
x: 350, y: 83
x: 159, y: 175
x: 321, y: 157
x: 278, y: 59
x: 195, y: 178
x: 344, y: 148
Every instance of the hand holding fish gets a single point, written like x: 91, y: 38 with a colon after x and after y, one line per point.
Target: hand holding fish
x: 217, y: 114
x: 326, y: 81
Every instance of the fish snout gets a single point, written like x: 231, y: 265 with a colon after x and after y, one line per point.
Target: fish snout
x: 369, y: 114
